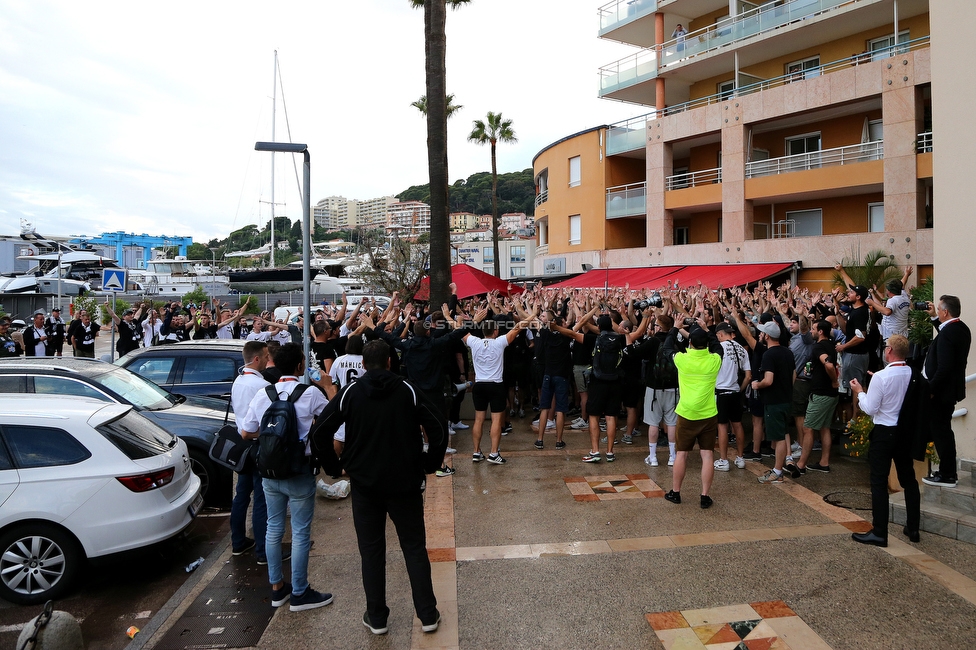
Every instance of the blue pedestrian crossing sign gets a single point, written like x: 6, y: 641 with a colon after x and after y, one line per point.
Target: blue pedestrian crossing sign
x: 113, y: 280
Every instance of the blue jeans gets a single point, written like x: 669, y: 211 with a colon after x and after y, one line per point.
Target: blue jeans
x: 298, y: 494
x: 248, y: 482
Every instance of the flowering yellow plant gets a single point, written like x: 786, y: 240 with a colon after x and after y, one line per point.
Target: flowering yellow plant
x: 859, y: 432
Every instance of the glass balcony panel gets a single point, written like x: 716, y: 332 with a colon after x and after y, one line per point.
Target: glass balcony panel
x: 627, y: 200
x: 615, y: 13
x: 628, y: 135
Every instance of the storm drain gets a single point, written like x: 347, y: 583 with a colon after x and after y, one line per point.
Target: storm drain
x: 849, y: 499
x: 232, y: 612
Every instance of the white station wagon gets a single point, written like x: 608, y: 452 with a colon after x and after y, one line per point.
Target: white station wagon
x: 80, y: 479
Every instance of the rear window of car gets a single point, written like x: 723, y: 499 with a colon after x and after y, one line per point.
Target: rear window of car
x: 137, y: 437
x: 13, y: 383
x: 32, y: 446
x: 155, y: 369
x: 208, y: 370
x: 45, y: 385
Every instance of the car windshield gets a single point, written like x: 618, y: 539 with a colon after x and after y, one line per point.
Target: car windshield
x: 141, y: 393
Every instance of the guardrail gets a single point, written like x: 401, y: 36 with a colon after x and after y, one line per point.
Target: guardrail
x: 848, y: 155
x: 619, y: 11
x: 958, y: 413
x: 923, y: 142
x: 627, y: 200
x: 693, y: 179
x: 541, y: 198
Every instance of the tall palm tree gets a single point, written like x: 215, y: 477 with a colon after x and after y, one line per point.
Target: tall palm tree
x: 493, y: 130
x: 452, y: 108
x: 435, y: 40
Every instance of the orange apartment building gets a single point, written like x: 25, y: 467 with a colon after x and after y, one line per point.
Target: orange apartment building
x: 790, y: 131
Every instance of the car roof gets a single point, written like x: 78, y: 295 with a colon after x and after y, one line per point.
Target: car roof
x: 235, y: 346
x: 79, y: 365
x: 21, y: 406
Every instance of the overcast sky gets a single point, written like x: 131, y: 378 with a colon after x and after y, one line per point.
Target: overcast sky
x: 142, y: 117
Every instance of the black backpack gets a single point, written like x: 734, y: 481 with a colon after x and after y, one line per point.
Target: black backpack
x: 664, y: 373
x: 281, y: 454
x: 607, y: 354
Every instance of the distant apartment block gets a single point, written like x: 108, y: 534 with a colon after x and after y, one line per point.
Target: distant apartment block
x: 484, y: 221
x: 461, y: 221
x: 517, y: 256
x: 408, y: 218
x: 336, y: 213
x: 512, y: 221
x: 374, y: 213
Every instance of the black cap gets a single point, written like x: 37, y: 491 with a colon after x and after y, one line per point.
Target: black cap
x: 57, y: 309
x: 860, y: 290
x: 723, y: 327
x: 128, y: 311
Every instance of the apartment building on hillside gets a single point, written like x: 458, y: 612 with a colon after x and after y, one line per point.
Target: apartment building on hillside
x: 787, y: 131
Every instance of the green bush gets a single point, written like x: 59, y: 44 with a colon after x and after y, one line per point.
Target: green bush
x: 121, y: 304
x: 919, y: 326
x: 87, y: 301
x: 198, y: 296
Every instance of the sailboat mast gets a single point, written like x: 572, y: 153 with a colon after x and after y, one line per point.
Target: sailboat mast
x: 274, y: 105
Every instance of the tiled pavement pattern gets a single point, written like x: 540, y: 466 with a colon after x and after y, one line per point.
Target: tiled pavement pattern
x: 612, y: 487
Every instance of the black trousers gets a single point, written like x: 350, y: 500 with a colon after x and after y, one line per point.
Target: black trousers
x: 886, y: 447
x: 406, y: 509
x: 945, y: 440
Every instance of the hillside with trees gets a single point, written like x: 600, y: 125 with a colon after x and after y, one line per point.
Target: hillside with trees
x: 516, y: 193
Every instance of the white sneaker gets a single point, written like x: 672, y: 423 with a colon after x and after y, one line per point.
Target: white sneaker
x: 789, y: 459
x: 721, y: 465
x: 551, y: 424
x: 450, y: 450
x: 795, y: 447
x: 460, y: 426
x: 579, y: 423
x: 740, y: 462
x: 670, y: 461
x: 451, y: 431
x: 651, y: 461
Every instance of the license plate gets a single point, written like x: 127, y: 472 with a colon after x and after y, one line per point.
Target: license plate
x: 196, y: 506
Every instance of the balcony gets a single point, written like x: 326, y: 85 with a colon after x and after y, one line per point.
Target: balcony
x: 923, y: 143
x: 541, y: 198
x: 855, y: 153
x: 621, y: 21
x: 629, y: 135
x: 627, y: 72
x: 627, y: 200
x: 694, y: 179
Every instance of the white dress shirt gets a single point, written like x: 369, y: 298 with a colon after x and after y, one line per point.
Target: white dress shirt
x: 884, y: 396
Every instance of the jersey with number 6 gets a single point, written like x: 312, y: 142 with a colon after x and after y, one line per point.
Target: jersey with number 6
x: 345, y: 370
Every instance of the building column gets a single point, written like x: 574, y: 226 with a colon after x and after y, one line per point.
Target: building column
x: 737, y: 216
x: 900, y: 111
x: 659, y: 104
x: 660, y: 163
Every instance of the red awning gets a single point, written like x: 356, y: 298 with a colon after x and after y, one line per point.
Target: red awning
x: 470, y: 282
x: 656, y: 277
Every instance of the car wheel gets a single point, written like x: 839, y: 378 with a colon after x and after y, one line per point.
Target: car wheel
x: 38, y: 562
x: 201, y: 466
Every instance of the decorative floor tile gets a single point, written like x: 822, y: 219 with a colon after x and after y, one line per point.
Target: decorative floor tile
x: 612, y: 487
x: 768, y: 625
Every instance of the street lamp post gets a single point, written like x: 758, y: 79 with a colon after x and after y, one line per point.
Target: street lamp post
x: 213, y: 272
x: 289, y: 147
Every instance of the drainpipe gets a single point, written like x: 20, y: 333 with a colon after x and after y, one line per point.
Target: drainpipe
x: 658, y: 40
x: 896, y: 21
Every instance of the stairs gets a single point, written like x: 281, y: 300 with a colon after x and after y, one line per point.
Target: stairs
x: 949, y: 512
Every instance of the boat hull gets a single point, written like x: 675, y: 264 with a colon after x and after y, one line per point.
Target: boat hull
x: 268, y: 280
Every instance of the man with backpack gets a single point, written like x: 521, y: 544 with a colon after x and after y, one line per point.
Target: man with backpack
x: 661, y: 394
x: 280, y: 418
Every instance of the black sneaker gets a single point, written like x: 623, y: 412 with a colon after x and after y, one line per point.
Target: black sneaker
x: 245, y: 547
x: 767, y: 452
x: 752, y: 455
x: 610, y: 457
x: 507, y: 429
x: 309, y: 599
x: 375, y: 629
x: 279, y: 596
x: 538, y: 444
x: 793, y: 470
x: 431, y: 627
x: 496, y: 459
x: 706, y: 502
x: 477, y: 457
x: 560, y: 444
x: 673, y: 497
x: 444, y: 471
x: 817, y: 467
x: 285, y: 555
x: 938, y: 480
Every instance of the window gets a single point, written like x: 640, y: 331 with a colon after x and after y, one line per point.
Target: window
x: 63, y: 386
x: 876, y: 217
x: 574, y: 229
x: 680, y: 179
x: 488, y: 255
x: 517, y: 254
x: 208, y: 370
x: 882, y: 48
x: 800, y: 223
x: 43, y: 447
x: 137, y: 437
x: 725, y: 89
x: 574, y: 171
x: 681, y: 235
x: 518, y: 272
x: 490, y: 270
x: 875, y: 130
x: 803, y: 69
x: 13, y: 384
x: 806, y: 148
x: 720, y: 229
x: 155, y: 369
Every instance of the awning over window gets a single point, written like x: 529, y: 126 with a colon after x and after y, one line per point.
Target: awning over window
x: 470, y: 282
x: 656, y: 277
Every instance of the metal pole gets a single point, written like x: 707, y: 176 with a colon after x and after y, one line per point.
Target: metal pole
x: 306, y: 260
x: 112, y: 351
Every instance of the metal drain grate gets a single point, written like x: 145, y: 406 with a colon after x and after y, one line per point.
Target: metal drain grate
x: 232, y: 612
x: 849, y: 499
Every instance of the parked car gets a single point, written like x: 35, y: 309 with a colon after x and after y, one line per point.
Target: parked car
x: 206, y: 368
x: 194, y: 419
x: 82, y: 480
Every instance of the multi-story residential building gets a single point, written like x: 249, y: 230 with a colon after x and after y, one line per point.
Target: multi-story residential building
x: 512, y: 221
x: 797, y: 130
x: 516, y: 261
x: 374, y: 213
x: 408, y: 219
x: 461, y: 221
x: 484, y: 221
x: 335, y: 213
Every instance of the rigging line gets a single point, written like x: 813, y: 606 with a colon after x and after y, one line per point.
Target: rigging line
x: 247, y: 168
x: 294, y: 164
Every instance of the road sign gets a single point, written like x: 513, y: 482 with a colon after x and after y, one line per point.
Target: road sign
x: 113, y: 280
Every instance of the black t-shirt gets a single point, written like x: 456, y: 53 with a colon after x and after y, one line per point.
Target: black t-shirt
x: 205, y: 332
x: 820, y: 381
x: 559, y: 362
x: 85, y: 336
x: 779, y: 361
x: 129, y: 336
x: 323, y: 351
x: 857, y: 319
x: 583, y: 352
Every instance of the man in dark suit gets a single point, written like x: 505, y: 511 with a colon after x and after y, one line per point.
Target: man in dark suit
x: 945, y: 370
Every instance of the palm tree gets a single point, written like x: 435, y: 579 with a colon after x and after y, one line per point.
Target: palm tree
x: 493, y: 130
x: 452, y: 108
x: 435, y: 40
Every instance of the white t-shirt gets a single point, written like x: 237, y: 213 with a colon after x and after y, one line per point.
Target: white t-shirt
x: 310, y: 404
x: 282, y: 336
x: 226, y: 332
x: 488, y: 356
x: 345, y: 370
x: 259, y: 336
x: 897, y: 321
x: 243, y: 391
x: 150, y: 330
x: 734, y: 358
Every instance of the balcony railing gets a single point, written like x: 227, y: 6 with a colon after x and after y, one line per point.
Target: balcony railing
x: 617, y: 12
x: 793, y: 77
x: 743, y: 26
x: 542, y: 249
x: 541, y: 198
x: 855, y: 153
x: 627, y: 200
x: 628, y: 135
x: 694, y: 179
x: 628, y: 71
x: 923, y: 143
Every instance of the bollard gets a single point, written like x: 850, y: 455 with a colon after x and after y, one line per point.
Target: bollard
x: 61, y: 632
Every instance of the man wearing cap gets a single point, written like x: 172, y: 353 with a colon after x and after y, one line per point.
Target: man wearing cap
x: 854, y: 364
x: 728, y: 396
x: 83, y: 337
x: 129, y: 332
x: 894, y: 311
x: 36, y: 338
x: 775, y: 385
x: 8, y: 346
x: 55, y: 327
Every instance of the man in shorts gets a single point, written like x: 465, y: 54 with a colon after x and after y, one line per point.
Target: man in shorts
x: 775, y: 387
x: 823, y: 400
x: 697, y: 414
x: 661, y: 394
x: 728, y: 396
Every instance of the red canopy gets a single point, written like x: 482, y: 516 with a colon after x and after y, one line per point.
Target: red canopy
x: 470, y: 282
x: 655, y: 277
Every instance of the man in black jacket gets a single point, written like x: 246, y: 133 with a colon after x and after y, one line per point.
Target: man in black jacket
x: 945, y: 370
x: 384, y: 456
